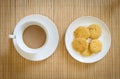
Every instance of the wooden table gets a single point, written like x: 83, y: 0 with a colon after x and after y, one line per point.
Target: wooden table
x: 60, y: 65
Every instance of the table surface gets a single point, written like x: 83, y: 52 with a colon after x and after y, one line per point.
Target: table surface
x: 60, y: 65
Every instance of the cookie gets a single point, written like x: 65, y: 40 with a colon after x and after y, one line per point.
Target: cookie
x: 95, y: 31
x: 81, y: 32
x: 80, y: 44
x: 87, y: 52
x: 95, y: 46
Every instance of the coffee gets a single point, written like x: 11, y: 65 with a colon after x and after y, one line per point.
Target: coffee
x: 34, y: 36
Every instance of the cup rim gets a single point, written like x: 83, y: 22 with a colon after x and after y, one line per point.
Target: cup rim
x: 19, y: 37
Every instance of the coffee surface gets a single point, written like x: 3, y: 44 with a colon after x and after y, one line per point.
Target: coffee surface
x: 34, y: 36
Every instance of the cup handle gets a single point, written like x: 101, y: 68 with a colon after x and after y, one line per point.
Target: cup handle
x: 12, y: 36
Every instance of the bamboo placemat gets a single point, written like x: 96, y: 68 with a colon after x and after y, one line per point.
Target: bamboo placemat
x: 60, y: 65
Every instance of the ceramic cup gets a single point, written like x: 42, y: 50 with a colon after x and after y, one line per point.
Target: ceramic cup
x: 50, y: 44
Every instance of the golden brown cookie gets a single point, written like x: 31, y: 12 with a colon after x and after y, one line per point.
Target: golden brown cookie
x: 95, y: 46
x: 81, y: 32
x: 87, y: 52
x: 95, y: 31
x: 80, y: 44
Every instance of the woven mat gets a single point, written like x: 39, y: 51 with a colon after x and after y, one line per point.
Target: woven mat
x: 60, y: 65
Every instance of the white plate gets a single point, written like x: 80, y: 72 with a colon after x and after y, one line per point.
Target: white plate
x: 105, y: 38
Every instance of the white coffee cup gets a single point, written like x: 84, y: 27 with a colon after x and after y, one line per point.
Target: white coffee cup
x: 50, y: 44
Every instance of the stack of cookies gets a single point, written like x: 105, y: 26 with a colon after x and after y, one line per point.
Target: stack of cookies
x: 82, y: 35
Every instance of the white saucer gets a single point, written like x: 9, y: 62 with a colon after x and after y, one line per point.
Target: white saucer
x: 51, y: 42
x: 105, y: 39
